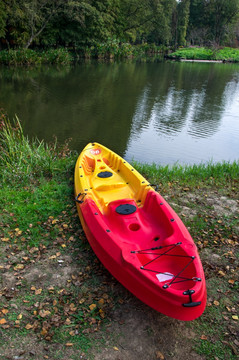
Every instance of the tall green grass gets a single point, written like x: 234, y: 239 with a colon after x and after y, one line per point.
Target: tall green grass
x: 201, y: 53
x: 191, y: 175
x: 32, y: 57
x: 23, y: 159
x: 192, y: 53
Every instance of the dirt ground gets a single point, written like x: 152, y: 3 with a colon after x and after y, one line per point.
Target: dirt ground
x: 140, y: 333
x: 134, y: 331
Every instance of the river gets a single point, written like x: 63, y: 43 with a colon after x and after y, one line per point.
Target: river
x: 161, y: 112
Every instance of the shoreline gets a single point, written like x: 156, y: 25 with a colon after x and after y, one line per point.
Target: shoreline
x: 68, y: 56
x: 203, y: 61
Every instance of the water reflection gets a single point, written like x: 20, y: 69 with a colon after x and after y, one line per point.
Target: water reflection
x: 153, y: 112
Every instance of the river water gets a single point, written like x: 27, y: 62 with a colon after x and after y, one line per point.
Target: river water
x: 161, y: 112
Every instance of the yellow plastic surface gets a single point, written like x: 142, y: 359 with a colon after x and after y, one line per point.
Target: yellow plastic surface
x: 122, y: 181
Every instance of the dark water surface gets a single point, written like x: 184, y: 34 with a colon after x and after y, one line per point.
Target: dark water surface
x: 152, y: 112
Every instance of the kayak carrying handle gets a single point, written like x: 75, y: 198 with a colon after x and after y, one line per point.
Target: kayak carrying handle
x: 155, y: 186
x: 82, y: 199
x: 191, y: 303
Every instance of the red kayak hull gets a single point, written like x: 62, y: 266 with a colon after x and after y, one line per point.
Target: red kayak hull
x: 119, y: 243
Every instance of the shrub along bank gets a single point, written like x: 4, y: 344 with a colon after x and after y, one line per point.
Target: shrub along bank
x: 201, y: 53
x: 112, y: 49
x: 56, y: 300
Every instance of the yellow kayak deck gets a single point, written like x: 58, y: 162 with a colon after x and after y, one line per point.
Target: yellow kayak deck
x: 105, y: 177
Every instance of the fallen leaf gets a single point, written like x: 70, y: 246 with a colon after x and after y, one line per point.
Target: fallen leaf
x: 5, y: 239
x: 221, y: 273
x: 216, y: 303
x: 101, y: 302
x: 68, y: 321
x: 69, y: 344
x: 203, y: 337
x: 33, y: 249
x: 43, y: 331
x: 38, y: 291
x: 19, y: 317
x: 102, y: 314
x: 19, y: 267
x: 92, y: 307
x: 235, y: 317
x: 28, y: 326
x: 3, y: 321
x: 159, y: 355
x: 73, y: 307
x: 4, y: 311
x: 115, y: 348
x: 44, y: 313
x: 231, y: 281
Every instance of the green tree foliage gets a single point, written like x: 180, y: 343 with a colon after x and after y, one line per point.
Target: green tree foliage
x: 182, y: 21
x: 3, y: 18
x: 161, y: 21
x: 86, y: 23
x: 212, y: 20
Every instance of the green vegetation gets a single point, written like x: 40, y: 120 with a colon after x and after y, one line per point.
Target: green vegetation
x: 32, y: 57
x: 54, y: 289
x: 209, y: 174
x: 228, y: 54
x: 25, y: 160
x: 195, y: 53
x: 113, y: 26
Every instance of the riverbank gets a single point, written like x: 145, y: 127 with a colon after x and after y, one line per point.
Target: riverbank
x: 58, y: 301
x: 115, y: 50
x: 112, y: 49
x: 205, y: 54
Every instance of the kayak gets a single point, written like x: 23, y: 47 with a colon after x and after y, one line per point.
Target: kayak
x: 137, y: 235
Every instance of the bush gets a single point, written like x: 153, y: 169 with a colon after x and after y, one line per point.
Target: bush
x: 32, y: 57
x: 228, y: 54
x: 193, y: 53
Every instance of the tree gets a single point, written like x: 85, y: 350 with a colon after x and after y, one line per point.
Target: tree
x: 181, y: 20
x: 211, y: 20
x: 161, y: 22
x: 219, y: 15
x: 38, y: 15
x: 3, y: 18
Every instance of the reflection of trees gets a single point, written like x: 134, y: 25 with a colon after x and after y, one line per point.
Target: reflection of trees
x: 110, y: 102
x: 89, y: 102
x: 184, y: 94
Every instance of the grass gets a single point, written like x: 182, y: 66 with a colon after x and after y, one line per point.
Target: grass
x: 23, y: 159
x: 191, y: 176
x: 57, y: 293
x: 32, y: 57
x: 110, y: 49
x: 201, y: 53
